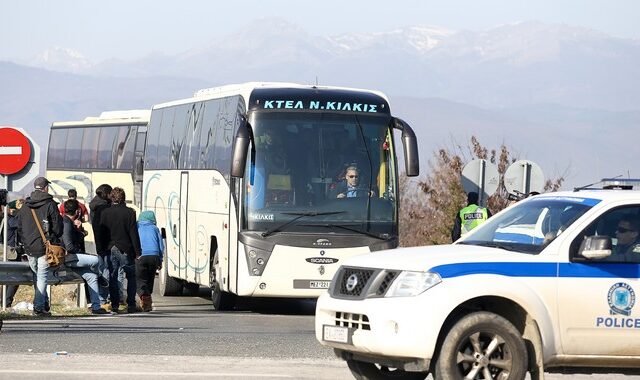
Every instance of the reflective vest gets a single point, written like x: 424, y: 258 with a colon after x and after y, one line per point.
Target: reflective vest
x: 471, y: 217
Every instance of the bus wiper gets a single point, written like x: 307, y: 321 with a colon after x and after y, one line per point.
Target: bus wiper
x: 352, y: 229
x: 299, y: 216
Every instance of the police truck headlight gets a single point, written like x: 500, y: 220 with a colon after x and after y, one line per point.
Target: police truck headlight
x: 409, y: 283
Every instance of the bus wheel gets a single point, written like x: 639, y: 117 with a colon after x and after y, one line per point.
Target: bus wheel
x: 220, y: 299
x: 169, y: 286
x: 369, y: 371
x: 485, y: 346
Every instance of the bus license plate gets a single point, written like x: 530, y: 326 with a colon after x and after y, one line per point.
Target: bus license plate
x: 335, y: 334
x: 319, y: 284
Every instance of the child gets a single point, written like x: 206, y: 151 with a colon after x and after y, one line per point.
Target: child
x: 151, y: 258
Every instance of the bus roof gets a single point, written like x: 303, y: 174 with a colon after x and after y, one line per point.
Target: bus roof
x: 245, y: 90
x: 110, y: 117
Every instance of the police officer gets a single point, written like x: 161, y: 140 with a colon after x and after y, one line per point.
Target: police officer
x: 469, y: 217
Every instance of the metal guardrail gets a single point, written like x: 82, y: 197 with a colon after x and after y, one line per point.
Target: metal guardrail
x: 19, y: 273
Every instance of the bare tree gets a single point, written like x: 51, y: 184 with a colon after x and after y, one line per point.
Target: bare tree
x: 429, y: 206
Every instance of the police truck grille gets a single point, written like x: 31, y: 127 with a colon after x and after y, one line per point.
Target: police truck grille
x: 353, y: 281
x: 386, y: 282
x: 352, y: 320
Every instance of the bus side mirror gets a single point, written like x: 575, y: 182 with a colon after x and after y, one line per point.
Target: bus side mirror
x: 240, y: 149
x: 410, y: 147
x: 596, y: 247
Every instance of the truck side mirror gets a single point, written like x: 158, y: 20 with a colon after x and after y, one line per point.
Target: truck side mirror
x: 410, y: 146
x: 595, y: 247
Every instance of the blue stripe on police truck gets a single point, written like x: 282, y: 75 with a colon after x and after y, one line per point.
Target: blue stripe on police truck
x: 564, y: 270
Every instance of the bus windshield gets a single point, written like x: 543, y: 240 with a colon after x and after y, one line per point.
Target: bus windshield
x: 331, y: 172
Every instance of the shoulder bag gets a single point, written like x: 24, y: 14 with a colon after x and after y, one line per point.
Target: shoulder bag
x: 54, y: 253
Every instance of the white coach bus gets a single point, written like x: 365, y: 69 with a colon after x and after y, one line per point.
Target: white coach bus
x: 105, y: 149
x: 248, y: 183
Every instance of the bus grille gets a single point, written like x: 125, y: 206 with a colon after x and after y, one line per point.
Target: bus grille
x: 352, y: 320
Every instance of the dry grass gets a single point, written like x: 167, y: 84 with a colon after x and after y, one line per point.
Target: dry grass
x: 63, y: 302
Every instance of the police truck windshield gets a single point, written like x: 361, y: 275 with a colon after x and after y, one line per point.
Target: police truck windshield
x: 531, y: 225
x: 335, y: 169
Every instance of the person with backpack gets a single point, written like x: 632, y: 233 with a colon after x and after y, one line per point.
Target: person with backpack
x: 40, y: 213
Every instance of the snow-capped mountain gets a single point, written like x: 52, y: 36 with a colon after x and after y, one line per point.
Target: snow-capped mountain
x: 61, y: 59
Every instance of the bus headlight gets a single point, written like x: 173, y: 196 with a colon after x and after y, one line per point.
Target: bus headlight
x: 256, y: 260
x: 411, y: 283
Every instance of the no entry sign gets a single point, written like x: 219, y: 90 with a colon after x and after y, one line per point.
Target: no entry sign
x: 15, y: 150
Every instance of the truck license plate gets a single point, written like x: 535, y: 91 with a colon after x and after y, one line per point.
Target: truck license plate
x: 335, y: 334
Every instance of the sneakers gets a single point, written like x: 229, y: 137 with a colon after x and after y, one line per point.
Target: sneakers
x: 41, y: 313
x: 100, y: 312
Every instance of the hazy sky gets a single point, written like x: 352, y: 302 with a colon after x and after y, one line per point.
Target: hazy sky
x: 130, y: 29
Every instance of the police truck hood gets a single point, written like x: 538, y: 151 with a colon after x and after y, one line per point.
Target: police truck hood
x: 428, y: 257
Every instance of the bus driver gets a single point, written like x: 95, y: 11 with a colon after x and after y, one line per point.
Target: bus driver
x: 350, y: 187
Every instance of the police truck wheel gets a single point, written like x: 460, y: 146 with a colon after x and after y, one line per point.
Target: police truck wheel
x: 482, y: 345
x: 168, y: 285
x: 369, y: 371
x: 220, y: 299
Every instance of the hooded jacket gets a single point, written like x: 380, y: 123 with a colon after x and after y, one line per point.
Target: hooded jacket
x: 47, y: 212
x: 150, y: 239
x: 97, y: 205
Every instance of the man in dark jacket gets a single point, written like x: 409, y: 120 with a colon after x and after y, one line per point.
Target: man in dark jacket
x: 98, y: 204
x: 46, y: 210
x: 119, y: 221
x: 83, y: 264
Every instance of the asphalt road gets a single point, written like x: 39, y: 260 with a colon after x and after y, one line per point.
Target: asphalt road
x: 181, y: 338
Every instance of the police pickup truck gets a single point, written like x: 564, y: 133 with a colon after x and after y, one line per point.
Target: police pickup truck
x: 547, y: 284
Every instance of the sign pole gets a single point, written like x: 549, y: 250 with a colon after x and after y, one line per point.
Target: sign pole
x: 5, y: 229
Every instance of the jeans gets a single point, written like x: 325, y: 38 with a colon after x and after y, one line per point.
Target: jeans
x: 122, y: 260
x: 146, y: 273
x: 40, y: 267
x: 87, y: 267
x: 103, y: 268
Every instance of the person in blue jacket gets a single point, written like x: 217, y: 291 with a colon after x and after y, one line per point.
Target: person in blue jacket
x: 151, y: 259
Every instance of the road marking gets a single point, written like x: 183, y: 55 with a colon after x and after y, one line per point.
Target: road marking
x: 10, y: 150
x: 148, y: 374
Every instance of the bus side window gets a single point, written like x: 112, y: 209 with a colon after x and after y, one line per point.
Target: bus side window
x: 178, y: 132
x: 164, y: 139
x: 89, y: 154
x: 74, y: 148
x: 57, y: 146
x: 153, y: 134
